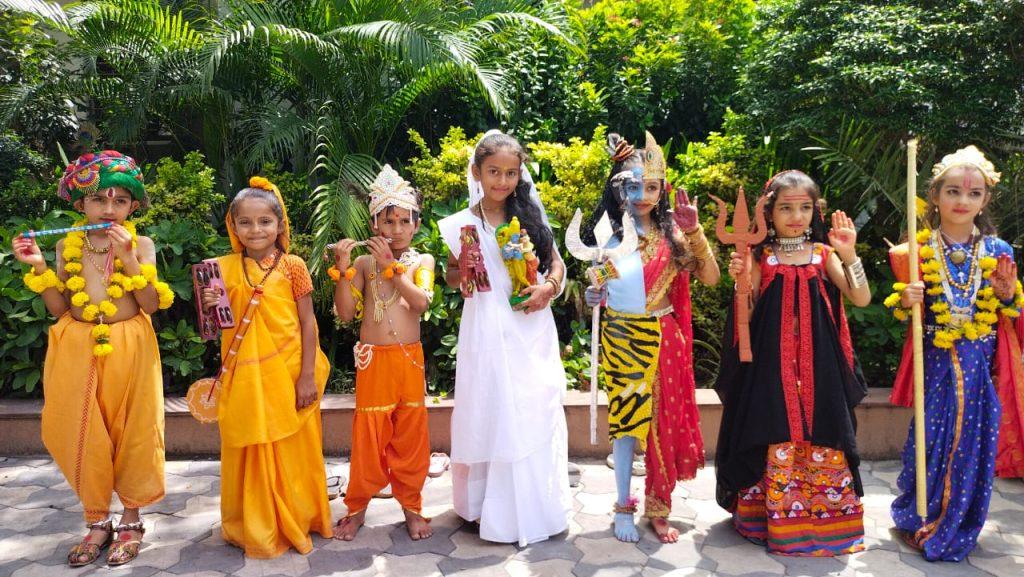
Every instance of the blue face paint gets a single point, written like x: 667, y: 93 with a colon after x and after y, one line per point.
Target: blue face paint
x: 634, y: 186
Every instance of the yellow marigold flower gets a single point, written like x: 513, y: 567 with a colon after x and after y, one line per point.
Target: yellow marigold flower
x: 923, y: 236
x: 892, y: 300
x: 934, y: 291
x: 984, y: 330
x: 970, y: 331
x: 1011, y: 313
x: 139, y: 282
x: 72, y: 253
x: 899, y: 286
x: 987, y: 263
x: 126, y: 283
x: 926, y: 251
x: 108, y: 309
x: 900, y: 314
x: 986, y: 292
x: 115, y: 292
x: 260, y: 182
x: 102, y: 349
x: 118, y: 265
x: 930, y: 266
x: 73, y: 267
x: 939, y: 307
x: 116, y: 278
x: 944, y: 318
x: 101, y: 331
x: 80, y: 299
x: 74, y: 241
x: 932, y: 278
x: 76, y: 283
x: 148, y: 271
x: 988, y: 304
x: 90, y: 312
x: 986, y: 274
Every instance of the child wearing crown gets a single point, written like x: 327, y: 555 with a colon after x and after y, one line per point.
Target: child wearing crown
x: 390, y: 441
x: 971, y: 357
x: 103, y: 418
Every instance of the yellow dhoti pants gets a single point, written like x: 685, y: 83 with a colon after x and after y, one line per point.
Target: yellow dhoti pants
x: 103, y: 418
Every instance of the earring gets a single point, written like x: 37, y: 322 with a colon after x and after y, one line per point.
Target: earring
x: 515, y: 192
x: 807, y: 234
x: 981, y: 212
x: 771, y: 231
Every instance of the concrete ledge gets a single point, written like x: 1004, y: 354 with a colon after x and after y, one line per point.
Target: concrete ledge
x: 881, y: 433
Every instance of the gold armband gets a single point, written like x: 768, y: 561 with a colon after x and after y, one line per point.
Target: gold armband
x: 424, y: 279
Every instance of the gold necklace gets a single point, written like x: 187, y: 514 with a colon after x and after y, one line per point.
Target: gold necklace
x: 93, y: 249
x: 380, y: 306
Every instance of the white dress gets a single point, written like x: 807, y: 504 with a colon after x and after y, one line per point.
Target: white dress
x: 509, y: 441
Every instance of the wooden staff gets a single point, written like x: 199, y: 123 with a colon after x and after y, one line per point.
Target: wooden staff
x: 918, y: 336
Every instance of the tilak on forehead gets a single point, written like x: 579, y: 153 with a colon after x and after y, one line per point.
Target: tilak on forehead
x: 794, y: 195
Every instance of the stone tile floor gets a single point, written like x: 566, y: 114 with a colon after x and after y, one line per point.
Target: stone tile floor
x: 40, y: 519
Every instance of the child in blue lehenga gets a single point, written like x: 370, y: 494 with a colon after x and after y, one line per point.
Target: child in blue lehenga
x: 969, y: 290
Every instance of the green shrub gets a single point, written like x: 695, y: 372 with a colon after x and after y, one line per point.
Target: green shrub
x: 572, y: 176
x: 183, y: 192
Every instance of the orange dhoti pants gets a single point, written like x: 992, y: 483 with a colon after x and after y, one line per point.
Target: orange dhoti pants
x: 390, y: 440
x: 103, y: 417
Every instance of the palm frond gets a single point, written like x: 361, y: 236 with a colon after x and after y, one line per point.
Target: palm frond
x: 51, y: 12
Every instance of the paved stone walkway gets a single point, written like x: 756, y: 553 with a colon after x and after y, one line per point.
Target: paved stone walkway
x: 40, y: 519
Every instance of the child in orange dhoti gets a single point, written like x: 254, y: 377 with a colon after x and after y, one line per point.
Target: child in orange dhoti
x: 103, y: 417
x: 273, y: 482
x: 390, y: 441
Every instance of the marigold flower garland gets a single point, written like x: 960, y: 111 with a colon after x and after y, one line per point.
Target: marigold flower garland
x: 935, y: 276
x: 119, y: 284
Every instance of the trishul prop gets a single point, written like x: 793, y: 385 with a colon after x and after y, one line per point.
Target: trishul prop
x: 601, y: 272
x: 743, y: 237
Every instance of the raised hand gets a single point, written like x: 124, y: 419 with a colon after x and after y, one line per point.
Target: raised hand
x: 685, y: 213
x: 381, y: 251
x: 343, y: 253
x: 843, y: 236
x: 1004, y: 278
x: 121, y: 242
x: 27, y: 251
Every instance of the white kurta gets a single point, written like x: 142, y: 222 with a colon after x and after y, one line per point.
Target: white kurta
x: 509, y: 440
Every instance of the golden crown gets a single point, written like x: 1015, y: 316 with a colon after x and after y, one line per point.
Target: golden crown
x: 654, y: 160
x: 390, y: 189
x: 969, y: 156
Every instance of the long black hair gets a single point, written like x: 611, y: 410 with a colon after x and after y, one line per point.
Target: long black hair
x: 661, y: 215
x: 793, y: 179
x: 519, y: 204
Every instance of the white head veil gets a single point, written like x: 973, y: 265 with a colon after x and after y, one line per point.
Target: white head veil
x: 476, y: 189
x: 476, y: 193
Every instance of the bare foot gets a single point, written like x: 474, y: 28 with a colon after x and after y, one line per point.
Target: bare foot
x: 347, y: 527
x: 666, y: 532
x: 419, y: 526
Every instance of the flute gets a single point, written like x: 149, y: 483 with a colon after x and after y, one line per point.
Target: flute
x: 35, y: 233
x: 358, y: 243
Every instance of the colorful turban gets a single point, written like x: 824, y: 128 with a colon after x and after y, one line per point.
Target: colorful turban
x: 99, y: 170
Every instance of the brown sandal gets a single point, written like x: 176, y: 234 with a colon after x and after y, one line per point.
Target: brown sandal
x: 125, y: 549
x: 89, y: 549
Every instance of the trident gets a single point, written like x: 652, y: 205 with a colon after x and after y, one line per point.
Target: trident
x: 742, y: 236
x: 602, y: 271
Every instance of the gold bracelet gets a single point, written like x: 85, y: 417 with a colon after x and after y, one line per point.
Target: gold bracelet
x: 555, y: 284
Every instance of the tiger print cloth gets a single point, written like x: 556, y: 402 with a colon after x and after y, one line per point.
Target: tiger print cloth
x: 629, y: 357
